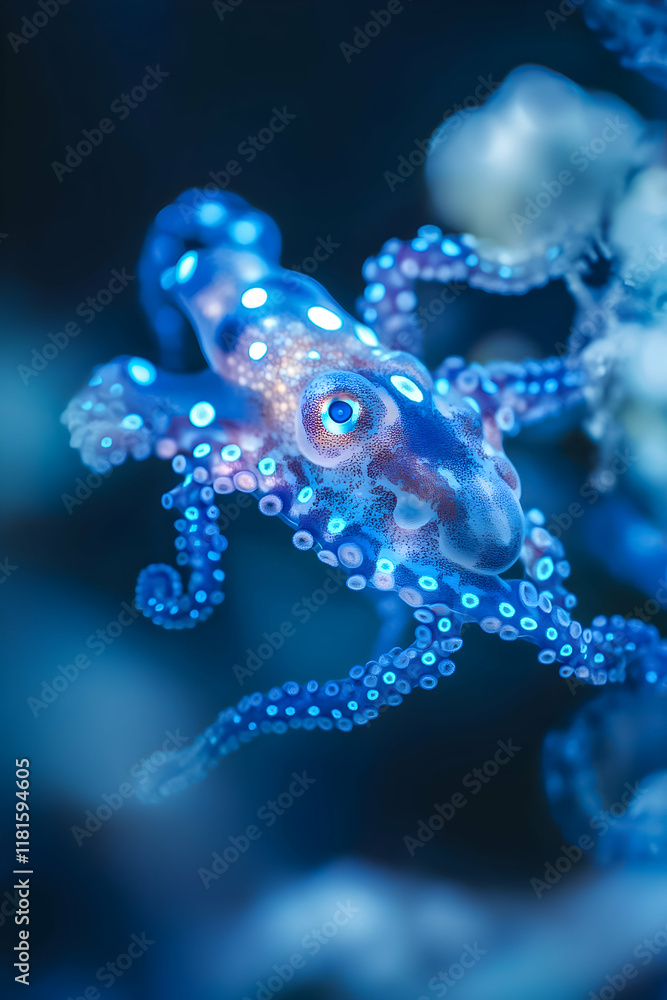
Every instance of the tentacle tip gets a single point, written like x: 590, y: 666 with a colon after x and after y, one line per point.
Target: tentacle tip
x: 168, y: 774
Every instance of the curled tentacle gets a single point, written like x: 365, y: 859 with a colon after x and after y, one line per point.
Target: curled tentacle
x: 513, y: 395
x: 160, y: 593
x: 389, y: 304
x: 342, y: 704
x: 196, y: 219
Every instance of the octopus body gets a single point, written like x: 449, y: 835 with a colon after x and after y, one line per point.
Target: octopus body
x: 397, y: 476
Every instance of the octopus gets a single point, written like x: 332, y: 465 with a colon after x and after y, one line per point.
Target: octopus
x: 395, y: 475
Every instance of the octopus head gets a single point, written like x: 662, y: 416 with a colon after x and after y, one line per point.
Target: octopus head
x: 405, y: 473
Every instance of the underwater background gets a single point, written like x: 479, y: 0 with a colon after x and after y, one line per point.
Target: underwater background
x: 72, y: 548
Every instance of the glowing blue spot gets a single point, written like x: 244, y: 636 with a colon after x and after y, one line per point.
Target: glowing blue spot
x: 430, y: 233
x: 257, y: 350
x: 352, y: 705
x: 253, y: 298
x: 290, y: 710
x: 324, y: 318
x: 427, y: 583
x: 140, y: 371
x: 472, y: 259
x: 132, y: 422
x: 201, y: 450
x: 566, y: 650
x: 428, y: 659
x: 200, y: 596
x: 506, y: 610
x: 529, y: 624
x: 385, y: 260
x: 372, y: 695
x: 505, y: 272
x: 651, y: 677
x: 186, y: 266
x: 406, y: 301
x: 313, y: 355
x: 544, y: 568
x: 230, y: 453
x: 366, y: 335
x: 305, y: 494
x: 470, y: 600
x: 335, y: 525
x: 552, y: 634
x: 245, y: 232
x: 450, y: 248
x: 419, y: 244
x: 389, y: 677
x: 489, y: 386
x: 385, y: 566
x: 87, y: 405
x: 191, y: 513
x: 375, y: 292
x: 271, y: 709
x: 553, y: 252
x: 407, y: 387
x: 313, y: 710
x: 267, y: 466
x: 106, y: 442
x: 598, y: 658
x: 202, y: 414
x: 444, y: 625
x: 95, y: 380
x: 167, y: 278
x: 442, y: 386
x: 211, y: 213
x: 251, y: 725
x: 551, y: 385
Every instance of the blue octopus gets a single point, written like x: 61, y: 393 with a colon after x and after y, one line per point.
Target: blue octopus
x: 395, y: 476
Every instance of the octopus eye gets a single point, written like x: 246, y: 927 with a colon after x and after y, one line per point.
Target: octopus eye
x: 340, y: 416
